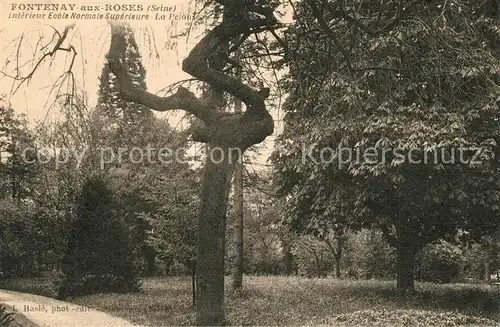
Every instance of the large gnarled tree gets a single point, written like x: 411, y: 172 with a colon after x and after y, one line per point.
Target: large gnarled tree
x: 227, y: 135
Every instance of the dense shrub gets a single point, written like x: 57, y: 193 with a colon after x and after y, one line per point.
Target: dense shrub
x: 473, y: 262
x: 43, y: 286
x: 440, y: 262
x: 30, y: 240
x: 99, y: 257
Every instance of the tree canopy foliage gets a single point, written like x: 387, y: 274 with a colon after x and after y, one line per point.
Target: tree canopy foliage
x: 403, y: 96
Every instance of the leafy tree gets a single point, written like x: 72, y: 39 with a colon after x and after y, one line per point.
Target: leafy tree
x: 368, y: 255
x: 174, y: 230
x: 263, y: 233
x: 68, y: 150
x: 175, y: 199
x: 18, y: 164
x: 24, y: 237
x: 31, y: 239
x: 17, y: 249
x: 132, y: 125
x: 335, y: 240
x: 99, y: 257
x: 313, y: 257
x: 144, y: 188
x: 490, y: 253
x: 411, y: 76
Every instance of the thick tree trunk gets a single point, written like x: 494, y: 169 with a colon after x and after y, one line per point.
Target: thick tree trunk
x: 238, y: 220
x: 405, y: 264
x: 211, y: 240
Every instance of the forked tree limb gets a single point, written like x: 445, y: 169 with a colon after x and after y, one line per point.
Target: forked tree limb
x: 196, y: 64
x: 182, y: 99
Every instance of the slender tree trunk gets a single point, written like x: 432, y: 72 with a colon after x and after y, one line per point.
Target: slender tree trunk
x: 318, y: 264
x: 150, y: 256
x: 238, y: 219
x: 487, y: 271
x: 238, y: 229
x: 287, y: 257
x: 211, y: 239
x: 336, y: 250
x: 193, y: 282
x: 405, y: 263
x: 338, y: 254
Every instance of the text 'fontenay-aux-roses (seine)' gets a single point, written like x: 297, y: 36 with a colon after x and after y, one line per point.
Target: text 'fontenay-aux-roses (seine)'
x: 73, y: 11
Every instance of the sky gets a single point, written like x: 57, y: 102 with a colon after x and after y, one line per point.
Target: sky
x: 22, y: 40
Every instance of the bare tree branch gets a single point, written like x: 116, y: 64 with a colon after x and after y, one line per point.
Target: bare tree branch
x: 182, y: 99
x: 51, y: 53
x: 319, y: 17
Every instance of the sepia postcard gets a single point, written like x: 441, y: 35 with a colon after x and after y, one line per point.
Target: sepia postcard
x: 250, y: 162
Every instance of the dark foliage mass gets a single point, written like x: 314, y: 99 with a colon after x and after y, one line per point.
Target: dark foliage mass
x: 99, y: 257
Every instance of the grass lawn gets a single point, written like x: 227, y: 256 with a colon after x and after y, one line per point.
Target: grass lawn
x: 299, y: 301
